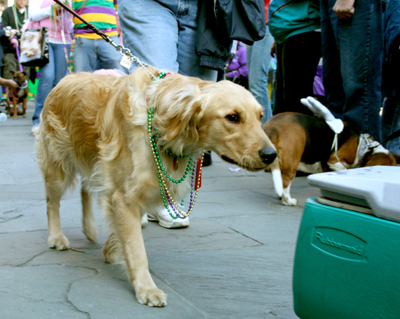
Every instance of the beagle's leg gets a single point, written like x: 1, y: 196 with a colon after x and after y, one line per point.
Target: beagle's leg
x: 289, y: 168
x: 286, y: 199
x: 277, y: 177
x: 126, y: 223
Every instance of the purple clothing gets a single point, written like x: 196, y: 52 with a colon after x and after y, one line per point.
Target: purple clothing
x: 318, y: 86
x: 237, y: 68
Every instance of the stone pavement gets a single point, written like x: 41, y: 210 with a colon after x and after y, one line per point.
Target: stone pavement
x: 234, y: 261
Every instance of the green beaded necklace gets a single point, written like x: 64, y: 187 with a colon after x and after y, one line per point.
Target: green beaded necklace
x: 163, y: 174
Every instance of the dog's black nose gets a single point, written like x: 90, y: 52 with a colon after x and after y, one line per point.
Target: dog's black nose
x: 268, y: 155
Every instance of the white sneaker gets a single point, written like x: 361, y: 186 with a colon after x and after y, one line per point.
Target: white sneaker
x: 35, y: 129
x: 165, y: 220
x: 144, y: 221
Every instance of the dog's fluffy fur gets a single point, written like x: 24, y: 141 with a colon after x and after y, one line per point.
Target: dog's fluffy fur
x: 96, y: 125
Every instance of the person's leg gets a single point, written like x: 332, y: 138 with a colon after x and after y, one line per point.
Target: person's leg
x: 279, y: 100
x: 354, y: 47
x: 188, y: 60
x: 45, y: 85
x: 361, y: 54
x: 85, y: 58
x: 391, y: 123
x: 332, y: 78
x: 60, y: 61
x: 258, y: 63
x: 107, y: 56
x: 150, y: 31
x: 10, y: 64
x: 298, y: 69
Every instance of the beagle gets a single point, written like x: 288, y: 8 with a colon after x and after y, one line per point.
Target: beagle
x: 313, y: 145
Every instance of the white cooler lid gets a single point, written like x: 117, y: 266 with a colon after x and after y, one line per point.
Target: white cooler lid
x: 376, y: 187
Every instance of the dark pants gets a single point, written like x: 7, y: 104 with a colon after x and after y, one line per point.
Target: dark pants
x: 297, y: 61
x: 353, y: 54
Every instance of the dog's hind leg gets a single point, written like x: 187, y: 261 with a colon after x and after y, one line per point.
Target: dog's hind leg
x: 88, y: 220
x: 56, y: 182
x: 126, y: 222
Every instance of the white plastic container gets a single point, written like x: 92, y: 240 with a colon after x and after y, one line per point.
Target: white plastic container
x: 376, y: 187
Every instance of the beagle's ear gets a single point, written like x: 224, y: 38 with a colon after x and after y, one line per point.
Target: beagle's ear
x: 12, y: 72
x: 185, y: 123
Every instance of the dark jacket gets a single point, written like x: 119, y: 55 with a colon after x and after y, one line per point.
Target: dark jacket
x: 2, y: 34
x: 9, y: 21
x: 222, y: 21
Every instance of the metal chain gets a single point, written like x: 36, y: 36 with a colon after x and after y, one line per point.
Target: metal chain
x: 126, y: 52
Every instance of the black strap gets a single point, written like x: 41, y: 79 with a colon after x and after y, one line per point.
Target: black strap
x: 392, y: 136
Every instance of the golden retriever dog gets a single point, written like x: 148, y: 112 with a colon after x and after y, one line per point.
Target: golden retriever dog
x: 96, y: 125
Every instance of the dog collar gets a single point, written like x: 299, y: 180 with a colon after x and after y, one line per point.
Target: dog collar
x: 367, y: 144
x: 24, y: 85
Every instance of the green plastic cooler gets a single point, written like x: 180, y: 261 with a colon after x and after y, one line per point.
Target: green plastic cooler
x: 347, y: 261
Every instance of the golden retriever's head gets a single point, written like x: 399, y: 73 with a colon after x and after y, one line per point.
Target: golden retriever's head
x: 223, y: 117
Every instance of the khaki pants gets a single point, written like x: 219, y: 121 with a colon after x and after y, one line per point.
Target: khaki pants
x: 11, y: 64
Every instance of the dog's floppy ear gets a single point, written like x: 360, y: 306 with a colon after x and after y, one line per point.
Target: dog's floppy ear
x: 24, y: 73
x: 12, y: 72
x: 185, y: 122
x: 179, y: 107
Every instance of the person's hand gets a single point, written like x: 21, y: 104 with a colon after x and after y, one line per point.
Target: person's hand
x: 273, y: 49
x: 14, y: 42
x: 344, y: 9
x: 10, y: 83
x: 13, y: 33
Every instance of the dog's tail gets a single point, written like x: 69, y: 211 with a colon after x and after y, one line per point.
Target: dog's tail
x: 277, y: 177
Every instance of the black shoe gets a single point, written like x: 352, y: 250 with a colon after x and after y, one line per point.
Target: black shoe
x: 207, y: 160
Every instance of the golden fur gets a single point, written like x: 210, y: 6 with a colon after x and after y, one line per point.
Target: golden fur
x: 95, y: 125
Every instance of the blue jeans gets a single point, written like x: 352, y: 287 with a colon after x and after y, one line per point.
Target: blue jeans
x: 352, y: 52
x: 50, y: 75
x: 163, y: 34
x: 258, y: 64
x: 391, y: 123
x: 94, y: 54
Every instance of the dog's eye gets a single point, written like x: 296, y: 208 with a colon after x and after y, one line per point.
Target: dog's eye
x: 234, y: 118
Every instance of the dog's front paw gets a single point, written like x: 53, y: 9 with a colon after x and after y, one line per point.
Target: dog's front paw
x: 152, y: 297
x: 59, y: 242
x: 289, y: 201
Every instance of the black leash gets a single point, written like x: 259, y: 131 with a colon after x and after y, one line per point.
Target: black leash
x: 120, y: 48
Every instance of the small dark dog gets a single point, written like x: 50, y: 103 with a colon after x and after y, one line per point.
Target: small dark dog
x: 18, y: 95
